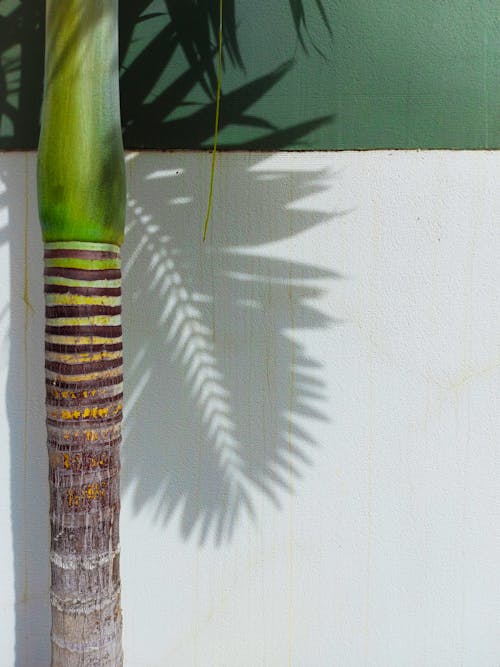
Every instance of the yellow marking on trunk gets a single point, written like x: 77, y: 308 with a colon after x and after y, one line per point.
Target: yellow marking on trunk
x: 66, y: 414
x: 104, y: 392
x: 95, y: 413
x: 81, y: 340
x: 89, y: 492
x: 88, y: 377
x: 81, y: 300
x: 95, y: 490
x: 95, y: 462
x: 82, y: 357
x: 105, y: 433
x: 73, y: 498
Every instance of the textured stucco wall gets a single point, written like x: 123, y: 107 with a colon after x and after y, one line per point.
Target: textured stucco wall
x: 337, y: 337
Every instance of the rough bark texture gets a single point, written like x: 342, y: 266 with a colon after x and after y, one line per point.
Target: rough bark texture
x: 83, y: 353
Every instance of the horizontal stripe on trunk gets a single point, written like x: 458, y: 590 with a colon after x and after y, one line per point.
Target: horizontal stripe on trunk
x: 108, y: 332
x: 81, y: 254
x: 71, y: 299
x: 74, y: 360
x: 70, y: 349
x: 81, y: 386
x: 84, y: 290
x: 91, y: 459
x: 82, y: 274
x: 68, y: 311
x: 69, y: 446
x: 105, y: 376
x: 87, y: 499
x: 71, y: 282
x: 90, y: 401
x: 73, y: 357
x: 94, y: 392
x: 81, y: 537
x: 82, y: 461
x: 81, y: 245
x: 85, y: 412
x: 92, y: 486
x: 89, y: 423
x: 72, y: 606
x: 86, y: 511
x: 65, y: 562
x: 82, y: 340
x: 88, y: 320
x: 65, y: 478
x: 88, y: 417
x: 78, y: 435
x: 82, y: 264
x: 82, y: 369
x: 92, y: 320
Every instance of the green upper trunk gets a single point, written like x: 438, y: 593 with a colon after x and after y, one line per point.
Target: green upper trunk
x: 81, y: 174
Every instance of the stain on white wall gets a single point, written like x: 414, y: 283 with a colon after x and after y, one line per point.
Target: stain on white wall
x: 311, y: 456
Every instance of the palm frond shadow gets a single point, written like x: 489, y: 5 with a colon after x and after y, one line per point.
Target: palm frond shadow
x: 221, y: 391
x: 21, y: 72
x: 197, y: 128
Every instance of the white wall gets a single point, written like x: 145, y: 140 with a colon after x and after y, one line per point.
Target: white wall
x: 312, y: 454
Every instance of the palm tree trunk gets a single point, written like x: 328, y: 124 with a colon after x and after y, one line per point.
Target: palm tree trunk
x: 83, y: 353
x: 81, y: 194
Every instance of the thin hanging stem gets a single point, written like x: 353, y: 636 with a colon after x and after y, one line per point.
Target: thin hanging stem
x: 216, y: 132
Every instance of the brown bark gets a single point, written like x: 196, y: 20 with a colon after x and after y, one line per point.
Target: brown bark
x: 84, y: 406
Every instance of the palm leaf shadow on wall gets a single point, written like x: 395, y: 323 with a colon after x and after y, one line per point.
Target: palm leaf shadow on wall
x: 171, y: 32
x: 21, y: 72
x: 225, y: 419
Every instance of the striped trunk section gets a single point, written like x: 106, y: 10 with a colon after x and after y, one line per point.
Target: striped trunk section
x: 84, y: 381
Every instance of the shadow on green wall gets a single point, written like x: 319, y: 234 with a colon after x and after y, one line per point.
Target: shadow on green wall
x: 157, y: 38
x: 21, y: 72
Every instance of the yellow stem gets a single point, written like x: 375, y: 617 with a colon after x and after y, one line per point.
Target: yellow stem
x: 216, y: 132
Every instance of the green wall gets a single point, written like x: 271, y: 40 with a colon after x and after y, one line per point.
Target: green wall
x: 345, y: 74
